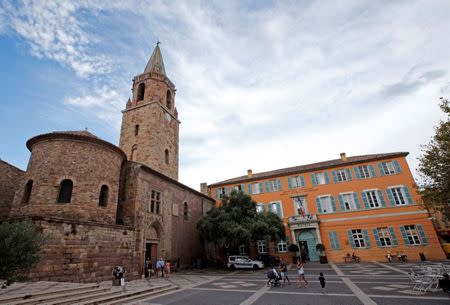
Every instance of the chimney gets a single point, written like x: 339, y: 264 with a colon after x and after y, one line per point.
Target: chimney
x: 343, y: 157
x: 249, y: 173
x: 204, y: 188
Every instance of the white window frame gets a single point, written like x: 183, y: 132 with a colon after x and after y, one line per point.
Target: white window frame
x: 273, y: 186
x: 243, y: 250
x: 325, y: 201
x: 385, y: 236
x: 256, y: 189
x: 412, y: 234
x: 320, y: 178
x: 301, y: 203
x: 399, y: 195
x: 261, y: 246
x: 388, y: 168
x: 282, y: 246
x: 364, y: 171
x: 260, y: 208
x: 341, y: 175
x: 297, y: 182
x: 351, y: 203
x: 373, y: 200
x: 273, y: 204
x: 358, y: 238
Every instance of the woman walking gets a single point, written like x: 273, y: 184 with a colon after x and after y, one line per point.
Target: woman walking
x: 301, y: 274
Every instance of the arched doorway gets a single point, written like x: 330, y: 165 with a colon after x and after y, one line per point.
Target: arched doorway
x: 153, y: 245
x: 307, y: 242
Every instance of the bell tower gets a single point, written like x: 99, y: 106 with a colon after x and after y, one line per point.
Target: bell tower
x: 150, y: 125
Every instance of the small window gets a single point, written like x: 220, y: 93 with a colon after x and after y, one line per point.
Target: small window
x: 65, y: 191
x: 259, y: 208
x: 282, y: 246
x: 141, y: 91
x: 358, y: 238
x: 186, y: 211
x: 166, y: 156
x: 27, y: 192
x: 136, y: 129
x: 155, y: 202
x: 103, y: 198
x: 384, y: 236
x: 168, y: 98
x: 412, y: 235
x: 261, y: 246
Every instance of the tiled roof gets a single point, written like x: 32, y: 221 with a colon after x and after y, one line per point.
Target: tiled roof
x: 311, y: 167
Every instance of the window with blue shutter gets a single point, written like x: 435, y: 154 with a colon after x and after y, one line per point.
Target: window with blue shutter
x: 357, y: 174
x: 243, y: 188
x: 302, y: 181
x: 377, y: 238
x: 218, y: 194
x: 291, y: 182
x: 409, y: 199
x: 249, y: 188
x: 365, y: 200
x: 391, y: 197
x: 372, y: 171
x: 327, y: 178
x: 278, y: 184
x: 380, y: 169
x: 393, y: 237
x: 366, y: 238
x: 348, y: 174
x: 356, y: 200
x: 269, y: 188
x: 350, y: 239
x: 381, y: 198
x: 422, y: 235
x: 334, y: 241
x: 398, y: 169
x: 333, y: 204
x: 260, y: 187
x: 313, y: 179
x: 404, y: 236
x: 334, y: 174
x: 319, y: 205
x: 341, y: 203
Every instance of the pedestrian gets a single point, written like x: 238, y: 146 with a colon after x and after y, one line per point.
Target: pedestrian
x: 160, y: 267
x: 167, y: 269
x: 322, y: 282
x: 389, y: 256
x: 147, y: 267
x: 284, y: 272
x: 301, y: 274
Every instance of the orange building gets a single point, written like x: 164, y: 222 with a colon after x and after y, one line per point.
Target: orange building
x: 365, y: 205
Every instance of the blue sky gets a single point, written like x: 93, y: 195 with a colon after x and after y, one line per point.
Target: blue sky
x: 260, y: 85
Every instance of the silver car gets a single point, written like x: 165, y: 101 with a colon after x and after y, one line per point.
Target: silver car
x: 243, y: 262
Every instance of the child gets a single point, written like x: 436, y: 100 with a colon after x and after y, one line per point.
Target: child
x: 301, y: 274
x: 322, y: 282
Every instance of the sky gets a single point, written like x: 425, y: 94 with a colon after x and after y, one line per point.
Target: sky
x: 261, y: 85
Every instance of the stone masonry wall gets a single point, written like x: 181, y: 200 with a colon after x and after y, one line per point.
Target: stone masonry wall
x: 84, y: 252
x: 10, y: 177
x: 89, y: 166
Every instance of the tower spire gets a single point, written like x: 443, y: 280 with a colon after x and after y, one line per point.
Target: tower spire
x: 156, y: 63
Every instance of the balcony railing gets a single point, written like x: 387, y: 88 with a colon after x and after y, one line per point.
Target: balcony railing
x: 308, y: 218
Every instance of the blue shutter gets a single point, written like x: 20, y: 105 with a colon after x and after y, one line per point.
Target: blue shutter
x: 227, y: 190
x: 377, y: 238
x: 348, y: 174
x: 372, y: 171
x: 327, y: 178
x: 398, y: 169
x: 243, y: 188
x: 279, y: 184
x: 364, y: 198
x: 302, y: 181
x: 331, y: 238
x: 291, y: 184
x: 279, y: 211
x: 408, y: 195
x: 380, y: 169
x: 319, y: 206
x: 350, y: 239
x: 335, y: 179
x: 404, y: 236
x: 249, y: 188
x: 313, y: 179
x: 381, y: 197
x: 357, y: 174
x: 393, y: 237
x: 366, y: 238
x: 268, y: 187
x: 355, y: 198
x: 217, y: 194
x: 261, y: 187
x: 391, y: 197
x: 333, y: 203
x: 422, y: 235
x: 336, y: 240
x: 341, y: 202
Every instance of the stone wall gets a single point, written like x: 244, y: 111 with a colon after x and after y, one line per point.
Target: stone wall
x: 84, y: 251
x: 10, y: 178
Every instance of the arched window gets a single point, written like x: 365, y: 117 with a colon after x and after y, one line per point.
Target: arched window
x: 65, y: 191
x: 136, y: 129
x: 186, y: 211
x: 27, y: 192
x: 133, y: 153
x: 166, y: 156
x: 141, y: 91
x: 103, y: 199
x: 168, y: 99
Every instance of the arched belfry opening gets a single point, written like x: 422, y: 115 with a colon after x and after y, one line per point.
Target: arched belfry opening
x: 168, y: 99
x: 141, y: 91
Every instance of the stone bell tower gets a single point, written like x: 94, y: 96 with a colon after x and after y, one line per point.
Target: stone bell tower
x: 150, y: 124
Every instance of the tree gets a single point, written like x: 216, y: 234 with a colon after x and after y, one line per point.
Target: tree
x: 236, y: 222
x: 20, y: 243
x: 434, y: 166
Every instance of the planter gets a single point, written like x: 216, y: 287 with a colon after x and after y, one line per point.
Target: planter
x: 323, y: 259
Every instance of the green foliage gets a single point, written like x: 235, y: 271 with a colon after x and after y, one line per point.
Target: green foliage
x: 20, y: 243
x: 235, y: 222
x: 434, y: 166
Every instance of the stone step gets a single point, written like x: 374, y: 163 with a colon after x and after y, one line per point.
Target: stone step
x: 129, y: 295
x: 60, y: 297
x: 28, y: 296
x: 106, y: 292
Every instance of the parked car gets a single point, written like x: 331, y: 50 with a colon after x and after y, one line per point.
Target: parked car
x: 269, y: 260
x: 243, y: 262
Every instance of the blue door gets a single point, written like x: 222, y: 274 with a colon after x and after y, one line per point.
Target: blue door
x: 308, y: 239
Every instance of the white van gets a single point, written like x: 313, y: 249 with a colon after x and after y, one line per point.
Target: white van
x: 243, y: 262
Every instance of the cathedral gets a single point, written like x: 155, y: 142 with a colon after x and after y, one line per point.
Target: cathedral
x: 100, y: 205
